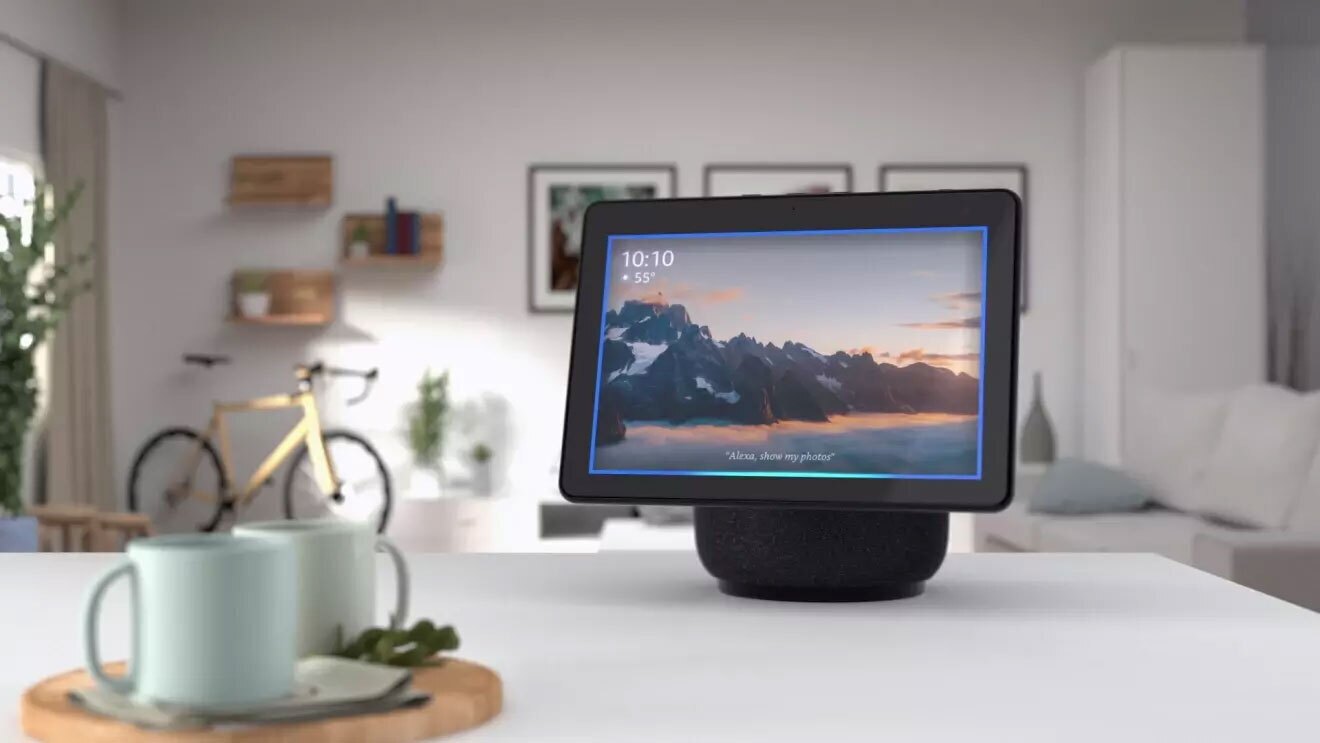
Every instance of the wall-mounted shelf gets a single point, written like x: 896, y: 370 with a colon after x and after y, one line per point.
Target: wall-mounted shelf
x: 303, y: 319
x: 430, y: 244
x: 311, y: 202
x: 281, y: 181
x: 427, y: 261
x: 297, y: 298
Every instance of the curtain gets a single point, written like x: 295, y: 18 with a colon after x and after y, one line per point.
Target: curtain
x: 73, y: 129
x: 1294, y: 315
x: 1293, y: 213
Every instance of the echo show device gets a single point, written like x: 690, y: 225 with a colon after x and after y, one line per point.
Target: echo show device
x: 823, y: 377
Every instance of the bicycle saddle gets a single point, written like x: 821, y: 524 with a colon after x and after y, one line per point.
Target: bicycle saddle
x: 205, y: 359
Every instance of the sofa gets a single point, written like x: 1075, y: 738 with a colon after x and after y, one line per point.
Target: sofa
x: 1233, y: 480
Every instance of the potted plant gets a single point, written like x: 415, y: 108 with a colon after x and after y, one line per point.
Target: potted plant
x: 481, y: 475
x: 359, y: 244
x: 426, y: 434
x: 34, y: 293
x: 253, y: 294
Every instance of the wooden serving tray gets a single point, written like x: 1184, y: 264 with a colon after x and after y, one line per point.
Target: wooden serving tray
x: 464, y: 695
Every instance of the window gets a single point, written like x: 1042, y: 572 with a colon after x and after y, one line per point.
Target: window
x: 18, y: 186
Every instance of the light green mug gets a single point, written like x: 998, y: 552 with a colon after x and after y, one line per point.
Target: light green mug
x: 213, y: 621
x: 336, y: 578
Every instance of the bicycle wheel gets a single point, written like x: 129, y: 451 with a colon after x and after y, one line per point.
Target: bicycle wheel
x: 177, y: 500
x: 364, y: 483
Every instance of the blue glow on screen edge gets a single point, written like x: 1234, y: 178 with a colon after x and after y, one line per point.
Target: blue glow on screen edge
x: 980, y: 402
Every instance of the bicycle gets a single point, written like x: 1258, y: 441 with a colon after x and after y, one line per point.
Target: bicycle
x: 171, y: 483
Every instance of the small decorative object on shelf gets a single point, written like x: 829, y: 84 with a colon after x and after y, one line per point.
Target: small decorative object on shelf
x: 424, y: 243
x: 292, y: 298
x: 359, y: 246
x: 253, y: 297
x: 413, y: 647
x: 481, y: 475
x: 426, y: 434
x: 1037, y: 433
x: 281, y: 181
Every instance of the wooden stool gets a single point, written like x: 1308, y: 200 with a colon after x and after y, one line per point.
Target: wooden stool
x: 67, y: 521
x: 115, y: 530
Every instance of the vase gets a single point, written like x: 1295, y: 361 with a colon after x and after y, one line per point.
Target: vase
x: 1037, y: 433
x: 254, y: 304
x: 359, y: 249
x: 481, y: 479
x: 18, y: 534
x: 425, y: 483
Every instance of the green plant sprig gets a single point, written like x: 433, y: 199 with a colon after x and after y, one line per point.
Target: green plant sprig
x: 35, y: 293
x: 428, y: 418
x: 405, y: 648
x: 482, y: 453
x: 251, y: 282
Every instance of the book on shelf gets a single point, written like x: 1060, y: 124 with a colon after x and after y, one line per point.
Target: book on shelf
x: 406, y: 229
x: 391, y: 226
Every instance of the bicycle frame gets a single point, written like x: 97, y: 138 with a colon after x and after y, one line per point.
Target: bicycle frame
x: 306, y: 431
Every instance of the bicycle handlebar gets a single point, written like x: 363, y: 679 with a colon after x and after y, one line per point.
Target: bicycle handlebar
x: 320, y: 369
x: 336, y: 371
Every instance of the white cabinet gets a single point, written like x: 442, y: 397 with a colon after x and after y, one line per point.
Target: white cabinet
x: 1173, y: 273
x: 451, y: 524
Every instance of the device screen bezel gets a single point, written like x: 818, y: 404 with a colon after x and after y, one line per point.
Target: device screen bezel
x: 995, y: 210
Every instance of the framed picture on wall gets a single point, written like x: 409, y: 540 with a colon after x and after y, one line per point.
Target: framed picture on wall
x: 945, y: 177
x: 770, y: 179
x: 557, y: 199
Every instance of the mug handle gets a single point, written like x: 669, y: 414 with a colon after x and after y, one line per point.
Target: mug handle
x: 91, y: 625
x: 400, y: 614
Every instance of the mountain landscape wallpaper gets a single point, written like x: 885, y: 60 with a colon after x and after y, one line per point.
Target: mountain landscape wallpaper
x: 853, y: 354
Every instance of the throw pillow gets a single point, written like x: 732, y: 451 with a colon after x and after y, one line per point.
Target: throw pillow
x: 1171, y: 436
x: 1074, y: 487
x: 1264, y: 456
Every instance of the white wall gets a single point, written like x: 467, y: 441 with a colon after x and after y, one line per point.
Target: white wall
x: 84, y: 34
x: 445, y: 104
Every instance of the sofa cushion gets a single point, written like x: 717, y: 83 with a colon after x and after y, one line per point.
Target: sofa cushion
x: 1279, y: 563
x: 1172, y: 436
x: 1162, y: 532
x: 1072, y: 486
x: 1263, y: 457
x: 1014, y: 527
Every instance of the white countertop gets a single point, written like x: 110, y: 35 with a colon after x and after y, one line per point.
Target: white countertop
x: 640, y: 646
